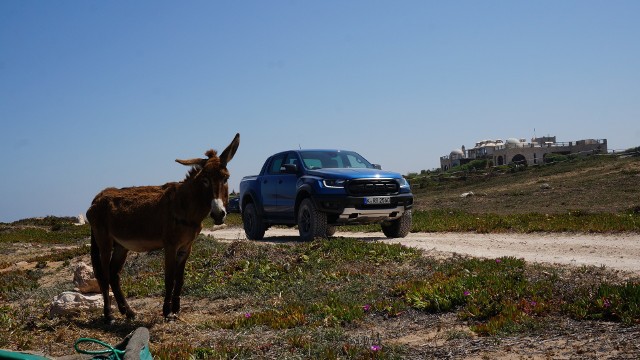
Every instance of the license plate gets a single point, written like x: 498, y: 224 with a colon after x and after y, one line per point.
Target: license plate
x: 377, y: 200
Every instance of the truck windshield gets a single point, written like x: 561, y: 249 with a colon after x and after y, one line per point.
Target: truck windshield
x: 318, y: 159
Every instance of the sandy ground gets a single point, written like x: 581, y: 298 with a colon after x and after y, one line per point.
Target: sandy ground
x: 614, y: 251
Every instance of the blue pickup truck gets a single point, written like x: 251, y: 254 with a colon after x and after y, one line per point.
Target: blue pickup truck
x: 318, y: 190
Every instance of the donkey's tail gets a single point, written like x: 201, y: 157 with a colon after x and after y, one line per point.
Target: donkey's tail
x: 95, y: 259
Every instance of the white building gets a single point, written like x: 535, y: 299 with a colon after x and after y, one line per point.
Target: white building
x: 519, y: 151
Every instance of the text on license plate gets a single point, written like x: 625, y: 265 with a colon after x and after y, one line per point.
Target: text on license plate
x: 376, y: 200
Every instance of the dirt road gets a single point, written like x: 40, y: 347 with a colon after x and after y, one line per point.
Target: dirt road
x: 615, y: 251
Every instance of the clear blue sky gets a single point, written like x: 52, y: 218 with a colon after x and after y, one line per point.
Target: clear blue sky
x: 108, y: 93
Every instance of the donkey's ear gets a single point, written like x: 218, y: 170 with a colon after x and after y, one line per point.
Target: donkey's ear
x: 230, y: 151
x: 193, y: 162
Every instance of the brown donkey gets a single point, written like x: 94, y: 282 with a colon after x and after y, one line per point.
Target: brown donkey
x: 153, y: 217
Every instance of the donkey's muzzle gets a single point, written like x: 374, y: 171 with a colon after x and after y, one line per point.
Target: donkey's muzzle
x: 218, y: 213
x: 218, y: 218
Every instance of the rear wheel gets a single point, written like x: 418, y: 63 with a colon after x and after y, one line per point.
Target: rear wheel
x: 311, y: 222
x: 252, y: 221
x: 398, y: 228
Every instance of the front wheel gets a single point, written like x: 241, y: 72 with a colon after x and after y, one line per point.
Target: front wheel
x: 312, y: 223
x: 252, y: 221
x: 398, y: 228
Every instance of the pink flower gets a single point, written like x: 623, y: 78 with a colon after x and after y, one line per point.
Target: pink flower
x: 467, y: 293
x: 366, y: 307
x: 606, y: 303
x: 376, y: 347
x: 498, y: 261
x: 247, y: 315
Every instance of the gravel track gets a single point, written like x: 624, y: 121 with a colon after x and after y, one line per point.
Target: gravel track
x: 614, y: 251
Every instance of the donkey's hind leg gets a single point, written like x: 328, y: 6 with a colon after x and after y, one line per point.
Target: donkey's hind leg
x: 117, y: 262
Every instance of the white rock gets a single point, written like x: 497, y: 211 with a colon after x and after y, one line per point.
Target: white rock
x: 84, y: 279
x: 70, y: 302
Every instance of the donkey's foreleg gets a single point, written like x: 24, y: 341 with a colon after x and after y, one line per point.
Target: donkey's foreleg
x: 100, y: 259
x: 181, y: 260
x: 117, y: 262
x: 169, y: 279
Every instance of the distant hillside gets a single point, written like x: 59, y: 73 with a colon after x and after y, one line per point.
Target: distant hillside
x: 590, y: 184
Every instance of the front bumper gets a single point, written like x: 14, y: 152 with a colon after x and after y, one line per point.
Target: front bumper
x: 352, y: 209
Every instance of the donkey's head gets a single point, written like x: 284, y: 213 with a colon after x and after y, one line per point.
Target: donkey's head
x: 212, y: 174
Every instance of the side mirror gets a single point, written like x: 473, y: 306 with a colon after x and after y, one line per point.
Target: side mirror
x: 377, y: 166
x: 289, y: 168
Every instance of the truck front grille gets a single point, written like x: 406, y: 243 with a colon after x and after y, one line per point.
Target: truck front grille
x: 367, y: 187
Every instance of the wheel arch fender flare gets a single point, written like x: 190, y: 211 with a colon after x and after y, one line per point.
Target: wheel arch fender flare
x: 251, y: 198
x: 303, y: 193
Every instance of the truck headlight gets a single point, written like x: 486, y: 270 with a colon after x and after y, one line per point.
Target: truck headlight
x: 404, y: 183
x: 333, y: 183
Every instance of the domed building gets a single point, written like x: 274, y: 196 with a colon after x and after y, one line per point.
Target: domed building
x: 455, y: 158
x: 520, y: 152
x: 513, y: 142
x: 456, y: 154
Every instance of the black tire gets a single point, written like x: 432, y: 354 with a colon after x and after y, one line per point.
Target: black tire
x: 253, y: 226
x: 311, y: 222
x: 398, y: 228
x: 331, y: 230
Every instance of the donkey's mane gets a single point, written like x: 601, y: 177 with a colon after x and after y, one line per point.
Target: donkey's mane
x: 212, y: 155
x: 192, y: 173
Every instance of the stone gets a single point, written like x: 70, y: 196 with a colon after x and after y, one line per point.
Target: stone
x: 84, y: 279
x: 71, y: 302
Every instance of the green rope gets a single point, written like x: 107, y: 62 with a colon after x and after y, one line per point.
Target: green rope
x: 109, y: 349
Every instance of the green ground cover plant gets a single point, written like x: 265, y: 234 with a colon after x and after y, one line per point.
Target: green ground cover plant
x: 335, y: 284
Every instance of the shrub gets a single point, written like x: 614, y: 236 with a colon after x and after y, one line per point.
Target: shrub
x: 555, y: 158
x: 475, y: 165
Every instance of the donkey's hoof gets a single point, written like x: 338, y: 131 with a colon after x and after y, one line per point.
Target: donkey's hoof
x: 109, y: 320
x: 172, y: 317
x: 126, y: 311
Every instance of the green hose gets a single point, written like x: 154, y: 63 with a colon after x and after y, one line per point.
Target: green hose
x: 117, y: 354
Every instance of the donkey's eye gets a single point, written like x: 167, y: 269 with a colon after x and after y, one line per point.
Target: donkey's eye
x: 205, y: 181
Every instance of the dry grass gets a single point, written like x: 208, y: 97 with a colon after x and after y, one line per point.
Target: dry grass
x: 593, y: 184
